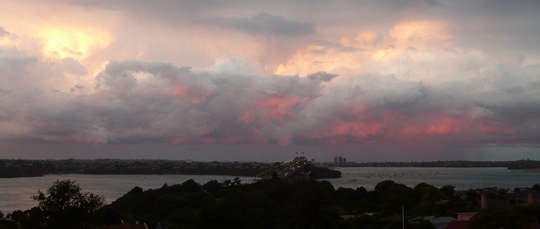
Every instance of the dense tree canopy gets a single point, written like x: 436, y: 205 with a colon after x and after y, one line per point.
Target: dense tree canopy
x: 265, y: 204
x: 63, y: 205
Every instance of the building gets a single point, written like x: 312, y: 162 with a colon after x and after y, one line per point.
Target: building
x: 339, y: 160
x: 465, y: 216
x: 524, y: 197
x: 462, y: 221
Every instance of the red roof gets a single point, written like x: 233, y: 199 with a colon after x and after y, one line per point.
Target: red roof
x: 458, y: 225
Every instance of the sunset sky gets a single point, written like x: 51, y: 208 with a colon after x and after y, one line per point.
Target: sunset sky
x: 370, y: 80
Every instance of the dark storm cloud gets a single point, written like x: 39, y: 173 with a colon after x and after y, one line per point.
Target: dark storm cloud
x: 92, y: 5
x: 415, y: 75
x: 155, y: 102
x: 322, y: 76
x: 158, y: 101
x: 266, y: 24
x: 336, y: 46
x: 512, y: 93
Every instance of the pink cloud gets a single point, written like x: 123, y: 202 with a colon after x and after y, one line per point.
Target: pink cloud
x: 191, y: 94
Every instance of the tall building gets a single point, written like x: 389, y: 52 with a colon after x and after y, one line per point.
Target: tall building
x: 339, y: 160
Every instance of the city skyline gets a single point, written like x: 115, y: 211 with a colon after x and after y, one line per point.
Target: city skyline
x: 413, y: 80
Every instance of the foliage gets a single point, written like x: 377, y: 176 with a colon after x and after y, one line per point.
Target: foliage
x: 421, y: 224
x: 536, y: 187
x: 497, y: 217
x: 506, y: 217
x: 65, y: 206
x: 430, y: 199
x: 28, y: 219
x: 266, y: 204
x: 392, y: 196
x: 230, y: 204
x: 312, y: 212
x: 448, y: 191
x: 5, y: 224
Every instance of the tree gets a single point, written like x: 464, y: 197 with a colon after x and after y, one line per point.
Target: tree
x: 64, y: 206
x: 392, y: 196
x: 498, y: 217
x: 421, y: 224
x: 215, y: 188
x: 536, y: 187
x: 430, y: 196
x: 448, y: 190
x: 312, y: 212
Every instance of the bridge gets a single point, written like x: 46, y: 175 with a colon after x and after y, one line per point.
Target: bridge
x: 295, y: 168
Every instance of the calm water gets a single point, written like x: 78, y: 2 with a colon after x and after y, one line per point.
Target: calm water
x: 461, y: 178
x: 16, y: 193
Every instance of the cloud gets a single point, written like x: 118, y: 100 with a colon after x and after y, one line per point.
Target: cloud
x: 13, y: 66
x: 335, y: 45
x: 3, y: 32
x: 157, y: 102
x: 322, y: 76
x: 266, y: 24
x: 415, y: 75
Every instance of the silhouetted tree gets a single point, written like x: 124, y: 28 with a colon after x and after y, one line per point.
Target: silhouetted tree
x: 215, y: 188
x: 312, y: 212
x: 429, y: 197
x: 448, y: 190
x: 421, y: 224
x: 391, y: 196
x: 65, y: 206
x: 498, y: 217
x: 536, y: 187
x: 28, y: 219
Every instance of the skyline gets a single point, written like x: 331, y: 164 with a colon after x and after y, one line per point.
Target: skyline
x: 413, y: 80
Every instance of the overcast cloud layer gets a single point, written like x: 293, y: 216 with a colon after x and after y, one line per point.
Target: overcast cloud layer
x: 260, y: 80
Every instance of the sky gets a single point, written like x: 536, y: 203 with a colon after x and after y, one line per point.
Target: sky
x: 232, y: 80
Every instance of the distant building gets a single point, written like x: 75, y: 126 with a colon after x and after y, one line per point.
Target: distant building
x: 339, y: 160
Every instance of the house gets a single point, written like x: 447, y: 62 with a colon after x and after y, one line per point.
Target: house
x: 458, y: 225
x: 462, y: 221
x: 465, y: 216
x: 524, y: 197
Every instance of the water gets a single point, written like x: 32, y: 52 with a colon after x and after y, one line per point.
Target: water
x: 16, y: 193
x: 461, y: 178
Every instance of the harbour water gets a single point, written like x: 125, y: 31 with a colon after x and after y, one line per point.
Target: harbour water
x: 461, y: 178
x: 16, y: 193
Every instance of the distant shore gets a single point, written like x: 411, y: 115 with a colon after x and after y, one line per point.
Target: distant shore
x: 11, y: 168
x: 35, y: 168
x: 513, y: 165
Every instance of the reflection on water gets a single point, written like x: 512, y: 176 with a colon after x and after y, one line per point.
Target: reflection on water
x: 16, y: 193
x: 461, y: 178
